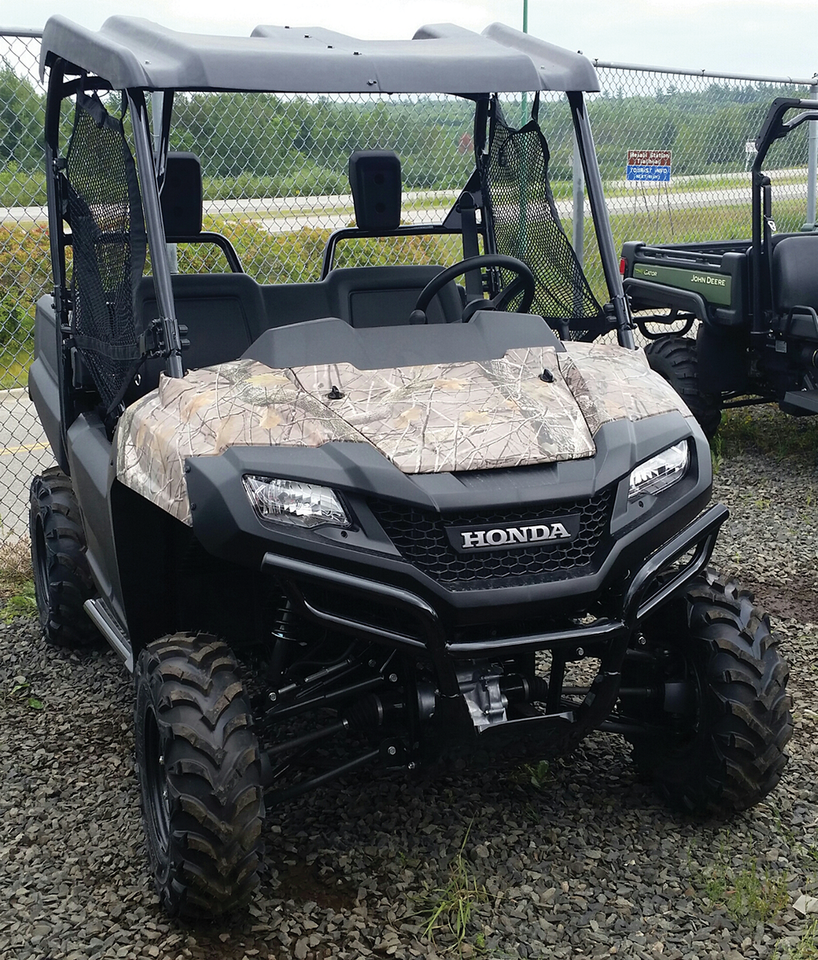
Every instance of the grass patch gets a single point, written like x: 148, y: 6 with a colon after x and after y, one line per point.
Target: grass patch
x: 21, y: 604
x: 15, y: 568
x: 750, y: 894
x: 16, y: 583
x: 448, y: 909
x: 765, y: 430
x: 805, y: 949
x: 14, y: 366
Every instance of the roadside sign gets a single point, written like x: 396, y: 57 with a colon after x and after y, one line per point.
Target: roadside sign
x: 649, y: 165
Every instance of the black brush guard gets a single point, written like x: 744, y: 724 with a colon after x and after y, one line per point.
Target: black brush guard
x: 665, y: 574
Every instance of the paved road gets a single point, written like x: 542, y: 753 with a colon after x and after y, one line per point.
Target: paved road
x: 24, y: 451
x: 287, y: 214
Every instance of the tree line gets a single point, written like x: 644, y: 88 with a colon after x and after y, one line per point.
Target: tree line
x: 269, y: 145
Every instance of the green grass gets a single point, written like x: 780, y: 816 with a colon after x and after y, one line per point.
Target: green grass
x: 766, y: 431
x: 16, y: 584
x: 805, y: 949
x: 21, y: 604
x: 14, y: 366
x: 448, y: 909
x: 749, y: 893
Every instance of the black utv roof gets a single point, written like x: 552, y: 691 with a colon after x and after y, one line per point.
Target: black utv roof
x: 134, y: 53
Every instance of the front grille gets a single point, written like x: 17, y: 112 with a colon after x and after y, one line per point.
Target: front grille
x: 420, y: 536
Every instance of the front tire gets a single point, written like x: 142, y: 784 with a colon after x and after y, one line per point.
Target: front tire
x: 675, y: 359
x: 722, y: 749
x: 199, y: 774
x: 62, y: 577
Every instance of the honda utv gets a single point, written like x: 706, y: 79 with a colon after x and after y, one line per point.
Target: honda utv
x: 402, y: 514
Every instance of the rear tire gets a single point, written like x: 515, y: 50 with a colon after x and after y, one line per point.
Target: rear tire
x: 62, y: 578
x: 723, y: 751
x: 675, y: 360
x: 199, y: 774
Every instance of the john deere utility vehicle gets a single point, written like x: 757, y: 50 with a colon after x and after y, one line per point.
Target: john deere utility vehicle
x: 756, y: 300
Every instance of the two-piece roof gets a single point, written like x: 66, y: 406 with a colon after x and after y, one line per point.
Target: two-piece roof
x: 131, y: 52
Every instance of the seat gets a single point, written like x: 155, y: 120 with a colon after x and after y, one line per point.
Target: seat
x: 795, y: 272
x: 223, y: 313
x: 383, y: 296
x: 386, y: 296
x: 795, y: 285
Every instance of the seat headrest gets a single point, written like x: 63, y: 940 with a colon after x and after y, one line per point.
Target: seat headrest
x: 374, y: 176
x: 181, y: 195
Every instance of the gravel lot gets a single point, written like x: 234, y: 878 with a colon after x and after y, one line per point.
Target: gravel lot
x: 584, y: 864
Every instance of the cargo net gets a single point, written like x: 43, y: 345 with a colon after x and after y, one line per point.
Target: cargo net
x: 108, y: 243
x: 527, y: 226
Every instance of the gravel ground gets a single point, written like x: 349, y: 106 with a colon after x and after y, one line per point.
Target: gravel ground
x: 583, y: 864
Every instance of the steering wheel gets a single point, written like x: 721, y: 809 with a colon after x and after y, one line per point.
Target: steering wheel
x: 524, y: 281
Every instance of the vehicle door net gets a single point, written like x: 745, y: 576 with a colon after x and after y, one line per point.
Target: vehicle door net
x: 527, y: 226
x: 109, y: 247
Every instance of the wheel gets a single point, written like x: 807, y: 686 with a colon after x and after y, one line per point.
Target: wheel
x: 62, y: 578
x: 674, y: 358
x: 523, y: 283
x: 199, y: 775
x: 714, y: 743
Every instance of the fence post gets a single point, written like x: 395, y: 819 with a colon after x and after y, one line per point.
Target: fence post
x: 578, y: 193
x: 812, y: 165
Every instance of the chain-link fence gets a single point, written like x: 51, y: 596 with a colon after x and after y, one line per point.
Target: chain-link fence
x: 24, y: 269
x: 709, y: 124
x: 276, y: 184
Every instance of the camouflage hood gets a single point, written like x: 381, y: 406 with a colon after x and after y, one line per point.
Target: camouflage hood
x: 531, y: 406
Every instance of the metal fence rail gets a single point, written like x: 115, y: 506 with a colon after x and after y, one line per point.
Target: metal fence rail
x: 276, y: 184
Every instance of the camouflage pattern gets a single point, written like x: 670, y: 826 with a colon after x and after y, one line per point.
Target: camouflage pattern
x: 610, y: 383
x: 459, y: 416
x: 531, y: 406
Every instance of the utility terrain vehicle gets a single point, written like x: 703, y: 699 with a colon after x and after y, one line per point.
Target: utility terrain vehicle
x: 756, y: 299
x: 380, y: 519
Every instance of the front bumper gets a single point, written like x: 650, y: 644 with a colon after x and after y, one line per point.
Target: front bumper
x: 665, y: 573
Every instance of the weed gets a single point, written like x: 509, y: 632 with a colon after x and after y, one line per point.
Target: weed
x: 15, y: 568
x: 750, y: 895
x: 22, y: 604
x: 449, y: 908
x: 536, y: 774
x: 539, y: 774
x: 805, y: 949
x: 757, y: 896
x: 22, y: 691
x: 717, y: 453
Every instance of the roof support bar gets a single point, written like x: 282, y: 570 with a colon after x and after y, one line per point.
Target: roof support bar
x: 596, y: 196
x: 156, y: 232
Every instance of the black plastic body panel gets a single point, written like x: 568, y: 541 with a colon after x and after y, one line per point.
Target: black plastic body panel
x: 487, y: 336
x: 92, y: 474
x: 227, y: 526
x: 43, y: 378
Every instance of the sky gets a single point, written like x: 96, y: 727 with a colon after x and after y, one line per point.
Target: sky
x: 765, y: 38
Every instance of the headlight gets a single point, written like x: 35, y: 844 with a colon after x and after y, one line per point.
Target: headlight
x: 295, y: 503
x: 660, y: 472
